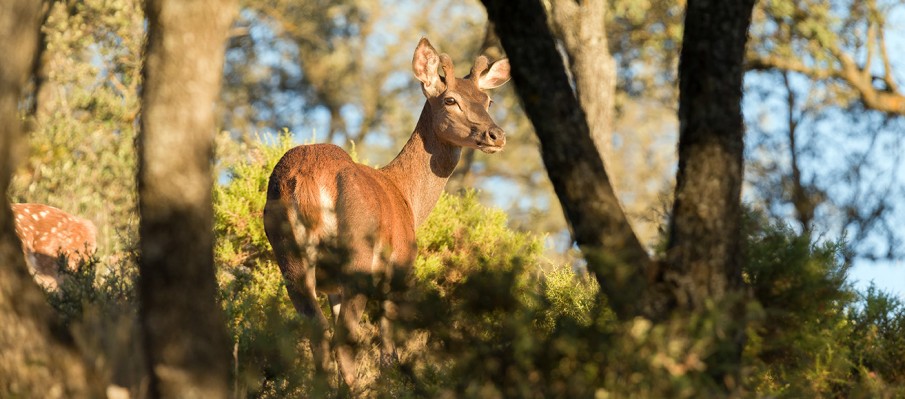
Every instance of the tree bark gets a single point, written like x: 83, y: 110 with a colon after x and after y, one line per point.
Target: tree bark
x: 37, y: 354
x: 704, y: 255
x: 184, y: 330
x: 575, y: 168
x: 582, y: 27
x: 42, y: 103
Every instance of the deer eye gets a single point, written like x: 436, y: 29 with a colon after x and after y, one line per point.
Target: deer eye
x: 449, y: 101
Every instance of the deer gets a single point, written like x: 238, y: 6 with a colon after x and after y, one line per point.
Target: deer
x: 317, y: 194
x: 49, y: 234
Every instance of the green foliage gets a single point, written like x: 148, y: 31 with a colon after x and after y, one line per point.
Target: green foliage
x: 878, y: 340
x: 461, y: 237
x: 491, y: 307
x: 99, y: 304
x: 270, y: 358
x: 800, y: 288
x: 568, y: 297
x: 81, y: 154
x: 812, y: 338
x: 239, y: 204
x: 489, y: 316
x: 83, y: 287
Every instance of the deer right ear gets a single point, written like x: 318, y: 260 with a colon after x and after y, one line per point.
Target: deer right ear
x: 496, y: 75
x: 424, y: 65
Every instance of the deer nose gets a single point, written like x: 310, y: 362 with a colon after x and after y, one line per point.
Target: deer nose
x: 496, y: 136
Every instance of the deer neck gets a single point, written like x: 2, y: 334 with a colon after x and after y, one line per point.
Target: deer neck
x: 421, y: 169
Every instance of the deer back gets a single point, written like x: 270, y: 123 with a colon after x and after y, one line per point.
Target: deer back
x: 47, y: 233
x: 317, y: 192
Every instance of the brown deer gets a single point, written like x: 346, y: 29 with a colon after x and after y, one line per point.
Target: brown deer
x: 317, y: 194
x: 48, y: 233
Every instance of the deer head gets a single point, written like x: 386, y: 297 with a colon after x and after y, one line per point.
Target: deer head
x: 460, y: 105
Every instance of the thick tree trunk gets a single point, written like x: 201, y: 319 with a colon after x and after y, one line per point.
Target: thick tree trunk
x: 573, y: 164
x: 705, y: 230
x: 184, y: 331
x: 42, y: 103
x: 704, y: 255
x: 37, y: 354
x: 582, y: 27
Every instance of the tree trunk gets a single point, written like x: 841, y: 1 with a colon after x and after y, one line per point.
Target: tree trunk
x: 582, y: 27
x: 184, y: 331
x: 704, y: 255
x: 44, y: 90
x: 570, y: 156
x: 37, y: 355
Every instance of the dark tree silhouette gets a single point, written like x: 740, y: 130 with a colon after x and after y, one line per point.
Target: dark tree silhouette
x: 39, y: 357
x: 184, y: 331
x: 572, y: 161
x: 703, y: 261
x: 704, y: 254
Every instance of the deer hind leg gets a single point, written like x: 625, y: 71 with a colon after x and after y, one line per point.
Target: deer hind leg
x: 388, y: 354
x: 347, y: 337
x: 304, y: 299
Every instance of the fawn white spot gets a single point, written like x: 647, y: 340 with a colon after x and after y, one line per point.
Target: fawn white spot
x: 42, y: 213
x: 35, y: 217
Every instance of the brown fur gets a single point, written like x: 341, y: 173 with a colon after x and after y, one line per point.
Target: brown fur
x: 343, y: 228
x: 48, y: 233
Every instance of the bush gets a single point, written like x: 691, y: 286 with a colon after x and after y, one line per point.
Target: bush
x: 491, y: 317
x: 878, y: 341
x: 800, y: 287
x: 477, y: 284
x: 812, y: 338
x: 99, y: 304
x: 270, y: 356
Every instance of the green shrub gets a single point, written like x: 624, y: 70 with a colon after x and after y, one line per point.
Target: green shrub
x: 477, y: 284
x: 878, y: 341
x: 239, y: 203
x: 270, y: 355
x: 491, y: 317
x: 99, y: 304
x: 813, y: 339
x: 796, y: 346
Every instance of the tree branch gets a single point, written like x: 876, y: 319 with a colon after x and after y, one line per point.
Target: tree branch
x: 888, y: 100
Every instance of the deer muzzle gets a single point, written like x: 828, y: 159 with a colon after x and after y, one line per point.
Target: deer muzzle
x: 492, y: 140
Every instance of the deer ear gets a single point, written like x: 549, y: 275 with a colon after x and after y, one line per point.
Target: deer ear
x: 496, y: 75
x: 424, y: 65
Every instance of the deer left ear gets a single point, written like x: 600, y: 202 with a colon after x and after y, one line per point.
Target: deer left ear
x: 496, y: 75
x: 424, y: 64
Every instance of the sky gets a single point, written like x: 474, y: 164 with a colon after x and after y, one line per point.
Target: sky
x: 888, y: 275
